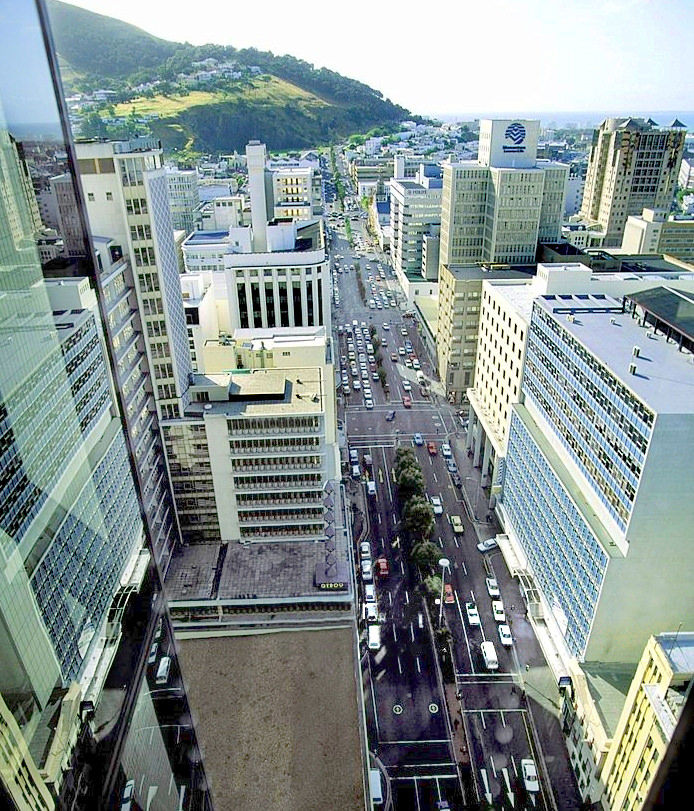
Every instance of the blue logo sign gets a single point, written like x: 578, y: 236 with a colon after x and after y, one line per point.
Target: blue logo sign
x: 516, y: 133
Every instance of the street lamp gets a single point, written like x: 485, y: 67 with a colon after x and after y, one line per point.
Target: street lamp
x: 444, y: 563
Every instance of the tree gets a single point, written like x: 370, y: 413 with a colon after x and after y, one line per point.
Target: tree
x: 410, y: 483
x: 425, y: 554
x: 382, y: 377
x: 404, y: 458
x: 432, y: 585
x: 418, y: 517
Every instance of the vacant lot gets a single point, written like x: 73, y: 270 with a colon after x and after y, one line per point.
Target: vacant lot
x: 277, y: 719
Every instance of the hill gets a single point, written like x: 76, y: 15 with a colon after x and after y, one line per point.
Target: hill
x: 283, y: 101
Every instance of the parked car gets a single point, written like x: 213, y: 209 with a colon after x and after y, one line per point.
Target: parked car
x: 371, y: 612
x: 365, y: 549
x: 448, y: 596
x: 473, y: 615
x: 417, y: 439
x: 529, y: 772
x: 457, y: 524
x: 446, y: 451
x: 486, y: 546
x: 457, y: 481
x: 498, y: 611
x: 492, y: 587
x: 368, y: 403
x: 369, y: 593
x: 505, y: 636
x: 451, y: 466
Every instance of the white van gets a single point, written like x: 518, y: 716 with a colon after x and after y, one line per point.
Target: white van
x: 489, y: 656
x: 420, y: 376
x: 374, y: 637
x: 371, y: 488
x: 375, y: 786
x: 164, y: 669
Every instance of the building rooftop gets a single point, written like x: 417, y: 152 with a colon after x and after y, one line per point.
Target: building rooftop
x: 260, y: 392
x: 679, y: 648
x: 207, y: 237
x: 673, y: 307
x: 664, y: 377
x: 609, y: 684
x: 476, y: 272
x: 520, y: 297
x: 279, y: 338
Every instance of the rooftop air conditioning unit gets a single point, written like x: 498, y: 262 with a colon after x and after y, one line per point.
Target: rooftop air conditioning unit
x: 632, y: 368
x: 636, y: 351
x: 613, y: 320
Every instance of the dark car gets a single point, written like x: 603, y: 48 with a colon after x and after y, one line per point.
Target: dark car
x: 390, y: 416
x: 457, y: 481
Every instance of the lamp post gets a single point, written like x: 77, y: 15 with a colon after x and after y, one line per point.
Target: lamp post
x: 444, y: 563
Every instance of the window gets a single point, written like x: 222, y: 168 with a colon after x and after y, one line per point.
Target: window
x: 109, y: 195
x: 90, y: 196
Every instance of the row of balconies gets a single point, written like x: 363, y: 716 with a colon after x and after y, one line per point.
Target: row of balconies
x: 244, y: 450
x: 273, y: 431
x: 279, y: 518
x: 249, y: 466
x: 287, y: 532
x: 249, y: 484
x: 274, y: 501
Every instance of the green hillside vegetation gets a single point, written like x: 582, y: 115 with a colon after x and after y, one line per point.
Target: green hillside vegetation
x: 290, y: 105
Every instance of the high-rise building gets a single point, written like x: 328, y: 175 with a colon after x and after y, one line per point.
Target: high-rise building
x: 184, y: 197
x: 634, y: 164
x: 497, y: 208
x: 659, y: 232
x: 84, y: 631
x: 598, y: 470
x: 127, y: 200
x: 415, y: 210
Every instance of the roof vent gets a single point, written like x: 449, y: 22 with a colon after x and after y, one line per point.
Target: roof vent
x: 207, y: 407
x: 650, y: 334
x: 613, y: 320
x: 571, y: 318
x: 632, y: 368
x: 636, y: 351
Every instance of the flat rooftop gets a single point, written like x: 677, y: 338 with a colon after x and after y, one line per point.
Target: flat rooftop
x: 679, y: 648
x: 207, y: 237
x: 474, y: 271
x: 278, y: 719
x: 268, y: 391
x: 280, y: 338
x: 664, y: 378
x: 609, y: 684
x: 520, y: 297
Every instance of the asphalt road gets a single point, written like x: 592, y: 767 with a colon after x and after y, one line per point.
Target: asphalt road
x: 408, y: 729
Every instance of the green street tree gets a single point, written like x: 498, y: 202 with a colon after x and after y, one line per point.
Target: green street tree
x: 405, y: 457
x: 418, y: 517
x: 382, y: 377
x: 410, y: 483
x: 432, y: 585
x: 425, y: 554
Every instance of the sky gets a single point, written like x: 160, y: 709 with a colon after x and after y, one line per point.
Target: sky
x: 449, y: 57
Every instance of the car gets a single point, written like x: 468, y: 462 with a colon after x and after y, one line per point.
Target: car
x: 401, y: 351
x: 451, y: 466
x: 371, y: 612
x: 431, y: 447
x: 365, y: 375
x: 407, y: 385
x: 374, y: 375
x: 529, y: 773
x: 386, y: 326
x: 505, y: 636
x: 492, y: 587
x: 446, y: 451
x: 457, y: 481
x: 394, y: 357
x: 403, y: 331
x: 153, y: 653
x: 390, y: 416
x: 473, y: 615
x: 457, y: 525
x: 448, y: 596
x: 407, y: 401
x: 408, y: 363
x: 368, y: 393
x: 366, y: 569
x: 369, y: 593
x: 365, y: 550
x: 436, y: 504
x: 356, y: 385
x: 498, y: 611
x: 416, y: 364
x: 368, y: 403
x: 417, y: 439
x: 126, y: 798
x: 346, y: 389
x: 486, y: 546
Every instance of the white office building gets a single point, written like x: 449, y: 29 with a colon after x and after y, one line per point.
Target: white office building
x: 184, y: 197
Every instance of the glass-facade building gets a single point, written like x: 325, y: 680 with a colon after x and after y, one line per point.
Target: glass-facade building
x: 89, y: 715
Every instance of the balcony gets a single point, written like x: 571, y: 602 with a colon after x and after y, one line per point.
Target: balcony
x: 242, y: 450
x: 255, y: 467
x: 287, y: 486
x: 281, y: 518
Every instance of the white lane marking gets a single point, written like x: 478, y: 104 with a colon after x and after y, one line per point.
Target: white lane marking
x: 395, y: 633
x: 419, y: 668
x: 399, y: 666
x: 411, y: 632
x: 390, y: 597
x: 455, y: 541
x: 484, y: 723
x: 491, y: 760
x: 407, y: 596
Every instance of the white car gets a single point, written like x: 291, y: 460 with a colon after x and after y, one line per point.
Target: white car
x: 369, y: 403
x: 366, y: 569
x: 367, y: 393
x: 369, y: 593
x: 485, y: 546
x: 436, y: 504
x: 407, y: 385
x: 492, y: 587
x: 498, y: 611
x: 356, y: 385
x: 416, y: 364
x: 473, y: 615
x: 371, y: 612
x: 386, y: 326
x: 529, y: 772
x: 446, y: 451
x: 505, y: 636
x: 365, y: 549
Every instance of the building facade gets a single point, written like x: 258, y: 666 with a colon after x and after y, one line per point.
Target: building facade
x: 660, y: 232
x: 184, y: 197
x: 633, y: 165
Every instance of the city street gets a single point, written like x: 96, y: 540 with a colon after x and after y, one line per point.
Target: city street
x: 409, y: 726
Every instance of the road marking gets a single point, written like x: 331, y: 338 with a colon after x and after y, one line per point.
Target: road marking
x: 419, y: 667
x: 503, y: 720
x: 509, y: 793
x: 397, y: 709
x: 402, y: 567
x: 403, y: 742
x: 433, y: 708
x: 395, y: 633
x: 373, y: 696
x: 407, y: 596
x: 379, y: 518
x: 440, y: 543
x: 390, y: 597
x: 412, y: 633
x: 464, y: 568
x: 484, y: 723
x: 491, y: 760
x: 399, y: 665
x: 380, y: 674
x: 395, y: 520
x: 485, y: 781
x: 435, y: 478
x: 455, y: 541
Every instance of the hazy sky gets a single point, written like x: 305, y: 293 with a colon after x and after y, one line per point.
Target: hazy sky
x: 460, y: 57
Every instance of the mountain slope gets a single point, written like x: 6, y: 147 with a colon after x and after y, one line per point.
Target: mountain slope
x: 291, y: 105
